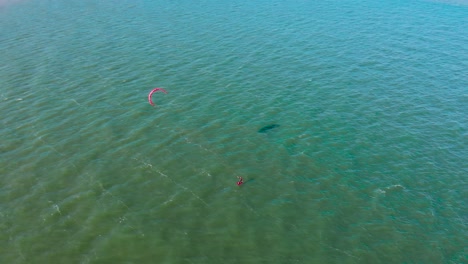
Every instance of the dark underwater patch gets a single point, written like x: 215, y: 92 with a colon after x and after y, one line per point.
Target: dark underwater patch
x: 268, y: 128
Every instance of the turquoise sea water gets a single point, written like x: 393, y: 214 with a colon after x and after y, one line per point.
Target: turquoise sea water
x: 369, y: 162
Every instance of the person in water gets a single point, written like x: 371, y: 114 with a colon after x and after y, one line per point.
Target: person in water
x: 241, y: 181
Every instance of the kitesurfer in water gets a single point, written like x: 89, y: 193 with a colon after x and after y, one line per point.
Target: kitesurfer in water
x: 241, y: 181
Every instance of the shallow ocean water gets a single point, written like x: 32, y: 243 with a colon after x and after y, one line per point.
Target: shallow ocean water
x: 368, y: 163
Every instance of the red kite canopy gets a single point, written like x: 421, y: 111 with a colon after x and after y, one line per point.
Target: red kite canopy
x: 153, y: 91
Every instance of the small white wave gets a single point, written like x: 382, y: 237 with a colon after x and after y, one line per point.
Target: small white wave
x: 379, y: 191
x: 394, y: 187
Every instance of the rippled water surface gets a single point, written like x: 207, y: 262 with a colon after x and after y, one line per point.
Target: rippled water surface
x: 362, y: 157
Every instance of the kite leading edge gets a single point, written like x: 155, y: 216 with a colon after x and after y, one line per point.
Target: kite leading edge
x: 151, y: 94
